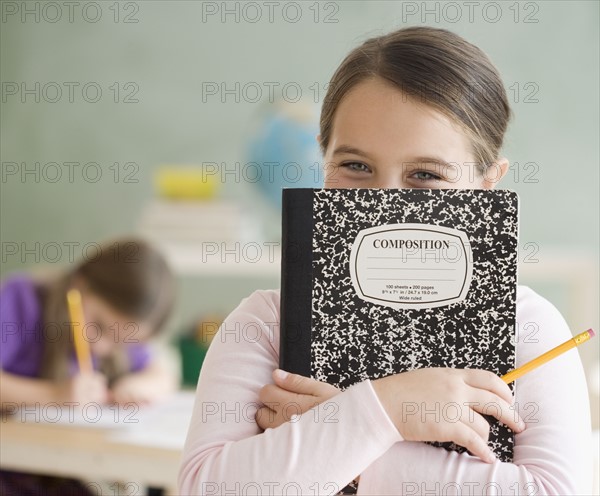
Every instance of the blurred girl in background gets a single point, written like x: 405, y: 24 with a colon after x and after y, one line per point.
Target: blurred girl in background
x: 127, y: 293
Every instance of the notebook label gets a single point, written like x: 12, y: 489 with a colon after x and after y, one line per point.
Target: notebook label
x: 411, y: 265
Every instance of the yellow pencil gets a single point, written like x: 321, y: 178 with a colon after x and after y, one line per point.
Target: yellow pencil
x: 82, y: 348
x: 549, y: 355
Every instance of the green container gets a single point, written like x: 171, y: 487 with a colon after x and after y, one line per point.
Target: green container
x: 192, y: 356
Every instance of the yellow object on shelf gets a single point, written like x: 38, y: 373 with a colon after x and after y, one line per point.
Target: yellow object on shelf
x: 181, y: 182
x: 207, y: 327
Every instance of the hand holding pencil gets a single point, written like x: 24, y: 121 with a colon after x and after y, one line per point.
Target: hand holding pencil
x: 82, y: 347
x: 88, y: 385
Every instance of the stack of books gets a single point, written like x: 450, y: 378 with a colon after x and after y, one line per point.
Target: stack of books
x: 187, y: 222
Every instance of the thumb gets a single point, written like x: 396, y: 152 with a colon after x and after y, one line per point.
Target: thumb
x: 299, y: 384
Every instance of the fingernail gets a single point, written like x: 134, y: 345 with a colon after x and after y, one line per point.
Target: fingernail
x: 281, y: 374
x: 491, y: 458
x: 522, y: 425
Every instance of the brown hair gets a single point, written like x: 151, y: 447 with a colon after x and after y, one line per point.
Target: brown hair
x: 438, y: 68
x: 130, y: 276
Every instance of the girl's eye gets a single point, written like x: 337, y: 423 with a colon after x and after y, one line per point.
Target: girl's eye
x: 425, y: 176
x: 355, y: 166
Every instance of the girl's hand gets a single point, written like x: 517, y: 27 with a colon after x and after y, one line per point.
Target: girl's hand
x: 84, y: 388
x: 291, y: 394
x: 444, y: 404
x: 135, y: 388
x: 153, y: 383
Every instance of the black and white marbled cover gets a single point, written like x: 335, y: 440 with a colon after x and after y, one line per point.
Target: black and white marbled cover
x: 353, y: 339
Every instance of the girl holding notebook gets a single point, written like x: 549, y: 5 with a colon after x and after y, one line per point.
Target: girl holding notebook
x: 126, y: 293
x: 417, y: 108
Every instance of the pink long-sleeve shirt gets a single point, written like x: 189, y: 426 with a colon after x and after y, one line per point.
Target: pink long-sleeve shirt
x: 322, y: 450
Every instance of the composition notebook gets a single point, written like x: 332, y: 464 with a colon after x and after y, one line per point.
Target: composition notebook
x: 375, y: 282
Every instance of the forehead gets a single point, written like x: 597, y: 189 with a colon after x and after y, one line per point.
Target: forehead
x: 377, y: 116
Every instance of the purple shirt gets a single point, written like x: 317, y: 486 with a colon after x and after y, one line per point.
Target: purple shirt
x: 23, y: 333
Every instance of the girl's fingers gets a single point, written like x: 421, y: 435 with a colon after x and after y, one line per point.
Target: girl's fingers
x: 500, y: 409
x: 463, y: 435
x: 303, y: 385
x: 268, y: 418
x: 476, y: 422
x: 278, y: 399
x: 291, y: 395
x: 265, y: 417
x: 484, y: 379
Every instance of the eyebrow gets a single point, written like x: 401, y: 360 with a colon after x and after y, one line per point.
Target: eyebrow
x: 351, y: 150
x: 355, y: 151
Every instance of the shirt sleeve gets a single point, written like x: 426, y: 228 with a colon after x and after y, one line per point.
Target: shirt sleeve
x: 139, y: 356
x: 20, y: 327
x: 319, y: 452
x: 551, y: 456
x: 10, y: 325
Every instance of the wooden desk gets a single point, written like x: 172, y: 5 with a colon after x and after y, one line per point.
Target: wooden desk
x: 147, y: 454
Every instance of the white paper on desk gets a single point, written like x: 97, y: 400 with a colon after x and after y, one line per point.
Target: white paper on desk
x: 162, y: 425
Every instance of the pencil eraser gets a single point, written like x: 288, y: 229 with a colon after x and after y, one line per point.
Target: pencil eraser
x: 592, y: 333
